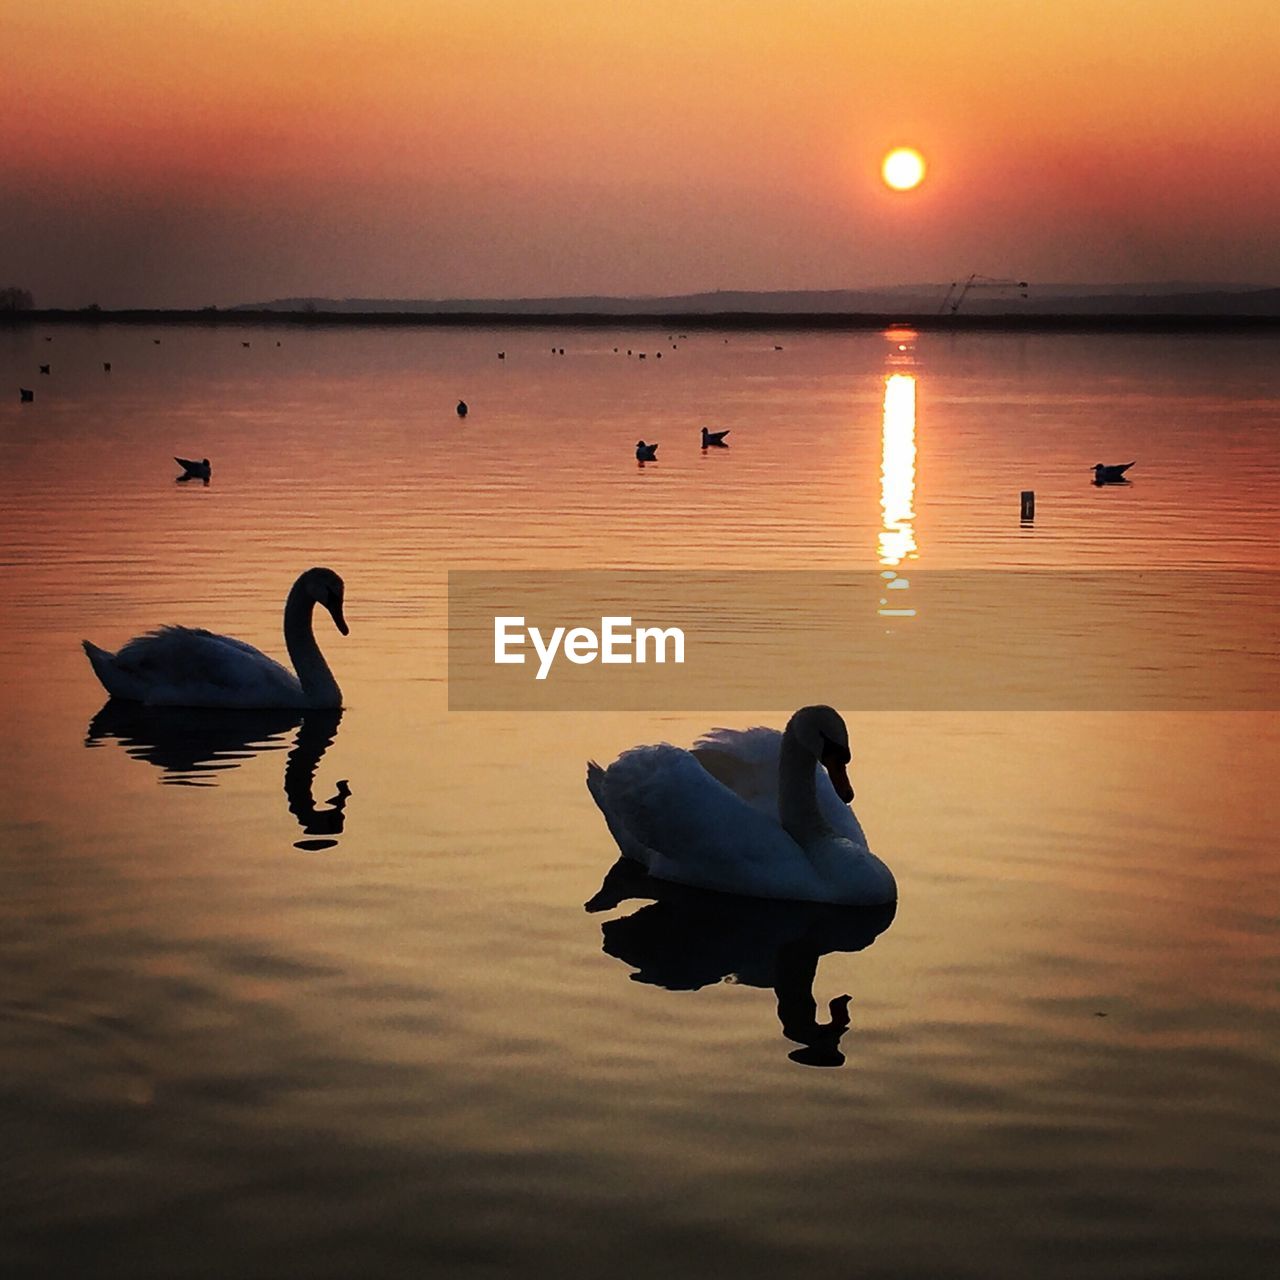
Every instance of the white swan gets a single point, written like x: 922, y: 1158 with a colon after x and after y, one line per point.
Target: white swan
x: 188, y: 667
x: 747, y: 812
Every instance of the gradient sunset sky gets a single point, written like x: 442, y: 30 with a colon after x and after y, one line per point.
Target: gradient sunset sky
x: 171, y: 153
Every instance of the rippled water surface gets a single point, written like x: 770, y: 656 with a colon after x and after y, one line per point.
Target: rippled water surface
x: 319, y: 996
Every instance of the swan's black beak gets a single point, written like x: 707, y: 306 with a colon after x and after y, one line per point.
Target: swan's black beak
x: 835, y: 762
x: 338, y: 620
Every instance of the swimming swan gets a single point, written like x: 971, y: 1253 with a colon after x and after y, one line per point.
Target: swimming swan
x: 746, y: 812
x: 189, y: 667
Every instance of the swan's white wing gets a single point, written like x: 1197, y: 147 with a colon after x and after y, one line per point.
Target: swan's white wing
x: 186, y: 666
x: 669, y: 813
x: 746, y: 761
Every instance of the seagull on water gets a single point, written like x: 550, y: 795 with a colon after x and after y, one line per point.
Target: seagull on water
x: 1113, y: 474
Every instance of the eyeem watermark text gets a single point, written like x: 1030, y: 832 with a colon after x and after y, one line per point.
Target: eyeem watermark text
x: 615, y: 642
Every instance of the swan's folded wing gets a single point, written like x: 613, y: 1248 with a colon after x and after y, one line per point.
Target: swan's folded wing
x: 691, y: 828
x: 188, y: 660
x: 746, y: 761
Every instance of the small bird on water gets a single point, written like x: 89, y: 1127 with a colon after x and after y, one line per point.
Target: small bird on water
x: 1114, y: 474
x: 26, y: 395
x: 646, y: 452
x: 714, y: 439
x: 462, y: 408
x: 194, y: 470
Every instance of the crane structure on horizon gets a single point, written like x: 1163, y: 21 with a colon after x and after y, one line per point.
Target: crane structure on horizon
x: 959, y: 288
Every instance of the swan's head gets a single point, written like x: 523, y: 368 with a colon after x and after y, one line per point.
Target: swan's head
x: 326, y: 588
x: 822, y: 732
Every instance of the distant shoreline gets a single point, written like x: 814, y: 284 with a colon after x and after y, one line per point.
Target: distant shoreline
x: 739, y: 320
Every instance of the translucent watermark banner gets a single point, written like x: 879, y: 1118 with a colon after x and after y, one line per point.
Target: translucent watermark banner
x: 1118, y: 639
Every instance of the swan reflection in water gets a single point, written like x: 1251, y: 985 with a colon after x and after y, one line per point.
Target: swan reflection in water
x: 191, y: 747
x: 689, y: 938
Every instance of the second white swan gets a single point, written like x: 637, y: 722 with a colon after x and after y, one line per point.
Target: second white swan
x: 753, y: 812
x: 189, y: 667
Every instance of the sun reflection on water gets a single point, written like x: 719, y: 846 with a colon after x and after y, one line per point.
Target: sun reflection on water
x: 897, y: 540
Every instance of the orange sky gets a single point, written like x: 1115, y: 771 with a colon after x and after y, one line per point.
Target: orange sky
x: 164, y: 152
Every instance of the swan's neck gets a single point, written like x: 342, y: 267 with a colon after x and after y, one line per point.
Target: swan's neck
x: 317, y: 681
x: 798, y: 808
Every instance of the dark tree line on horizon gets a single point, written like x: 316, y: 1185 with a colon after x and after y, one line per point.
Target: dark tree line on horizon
x: 13, y: 298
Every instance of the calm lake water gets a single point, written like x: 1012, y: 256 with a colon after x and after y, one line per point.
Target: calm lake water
x: 323, y: 1000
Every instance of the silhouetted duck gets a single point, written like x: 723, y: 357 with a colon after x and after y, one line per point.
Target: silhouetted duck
x: 646, y: 452
x: 106, y: 366
x: 194, y: 470
x: 1104, y: 474
x: 44, y: 368
x: 714, y: 439
x: 462, y: 408
x: 26, y: 395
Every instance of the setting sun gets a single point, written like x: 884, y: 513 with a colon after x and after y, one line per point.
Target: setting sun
x: 903, y: 169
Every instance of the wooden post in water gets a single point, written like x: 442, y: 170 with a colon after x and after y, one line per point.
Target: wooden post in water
x: 1028, y: 504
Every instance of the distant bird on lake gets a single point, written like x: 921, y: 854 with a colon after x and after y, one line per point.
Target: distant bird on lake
x: 1104, y: 474
x: 156, y: 341
x: 194, y: 470
x: 646, y: 452
x: 44, y: 368
x: 25, y: 395
x: 714, y: 439
x: 462, y: 408
x: 48, y: 339
x: 244, y: 344
x: 502, y: 355
x: 106, y: 366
